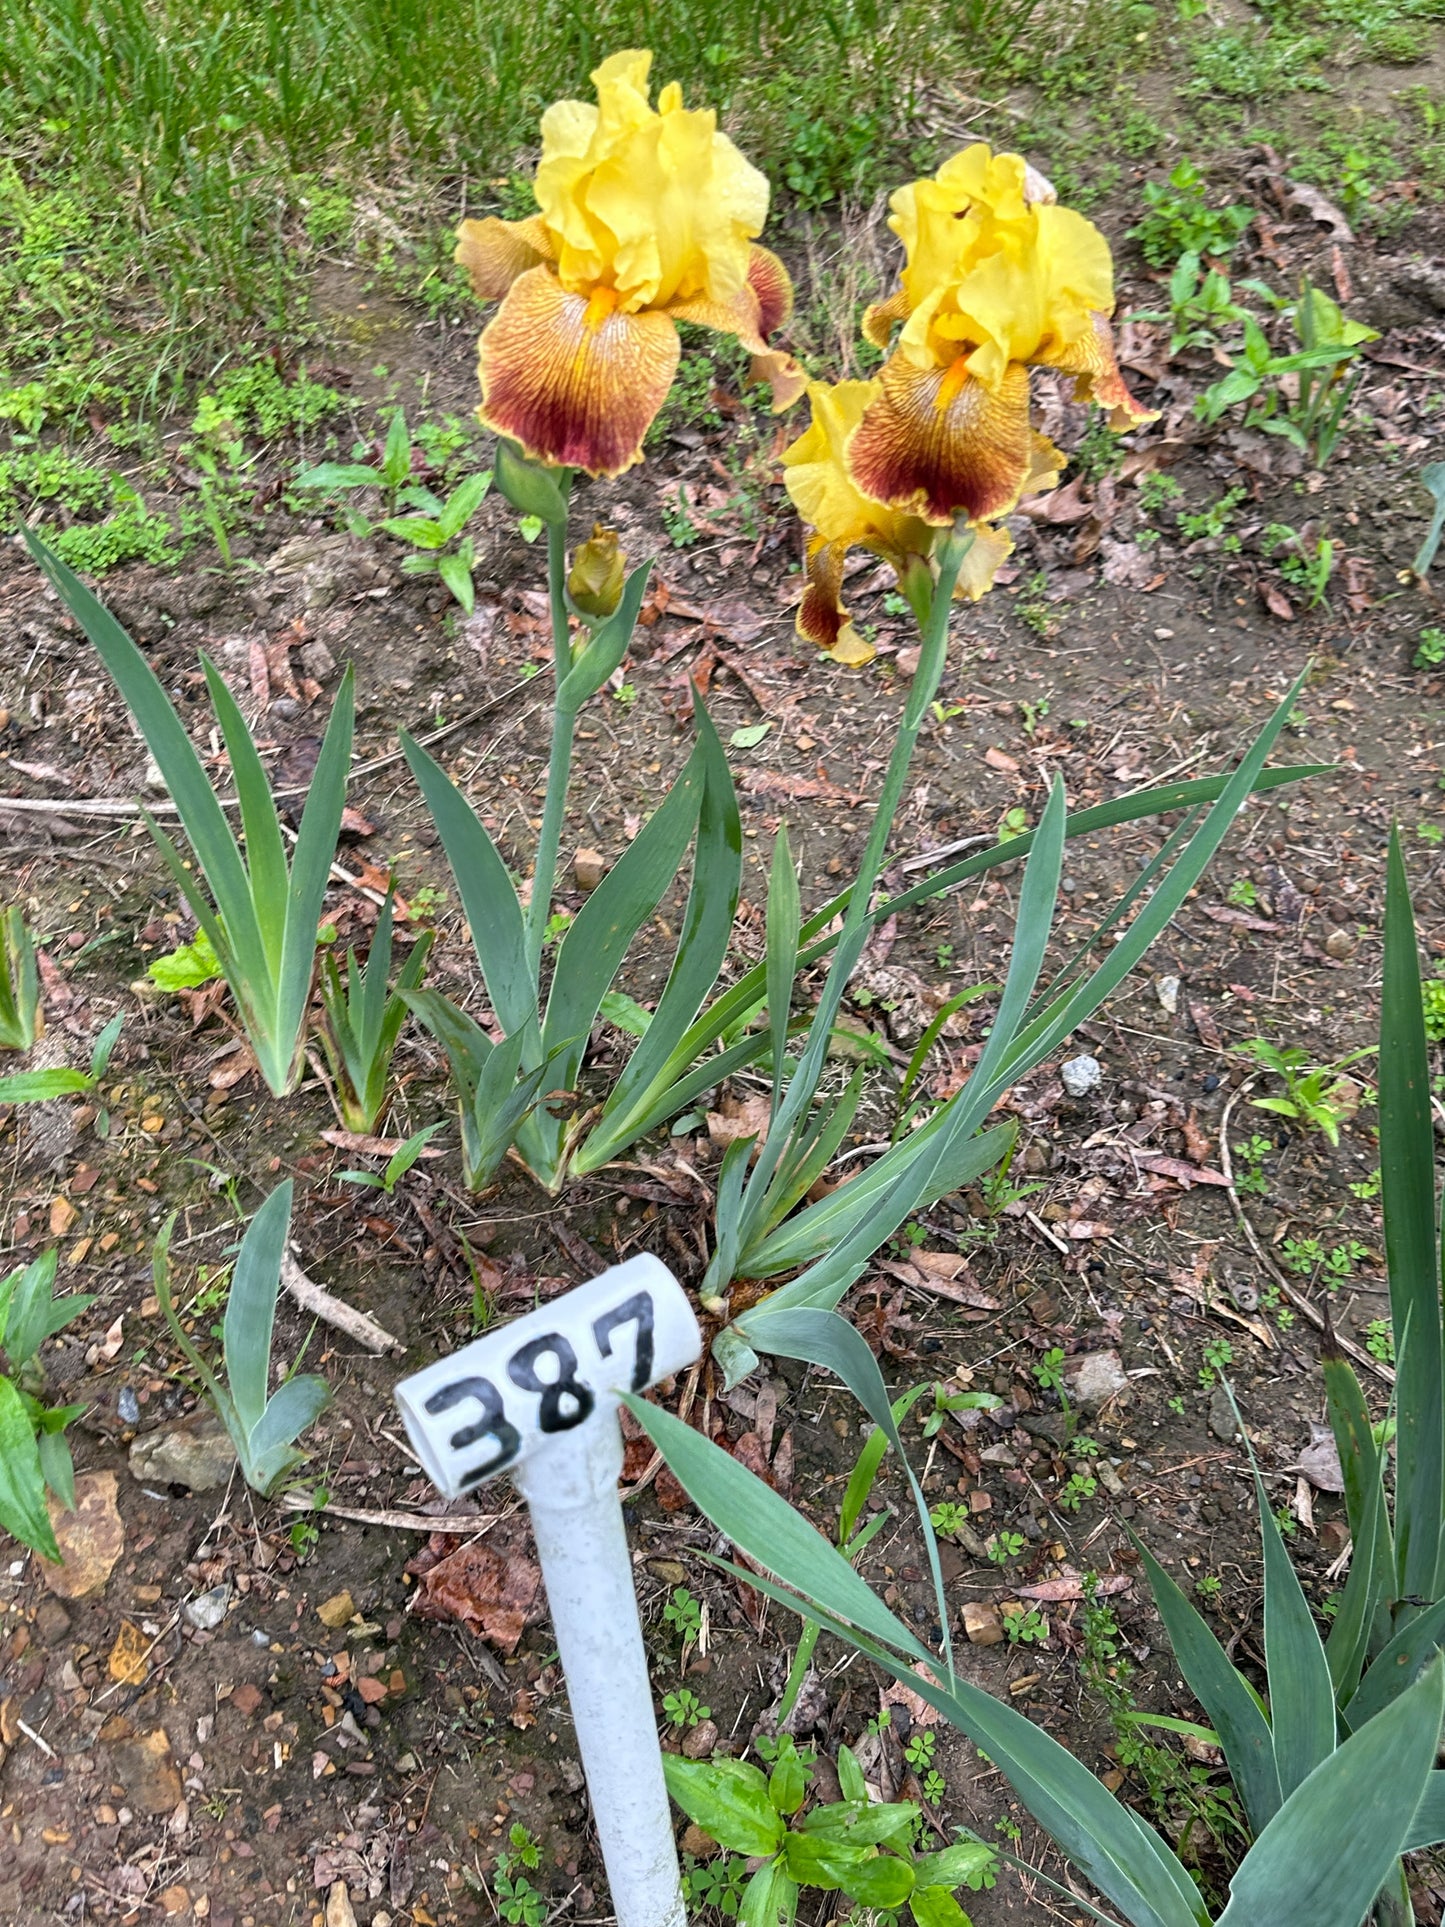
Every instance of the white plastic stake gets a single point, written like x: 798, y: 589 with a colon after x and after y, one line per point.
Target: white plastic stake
x: 539, y: 1399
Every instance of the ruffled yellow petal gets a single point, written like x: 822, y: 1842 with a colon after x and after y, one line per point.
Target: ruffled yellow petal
x: 936, y: 443
x: 495, y: 252
x: 653, y: 203
x: 764, y: 301
x: 575, y: 380
x: 991, y: 548
x: 1091, y: 361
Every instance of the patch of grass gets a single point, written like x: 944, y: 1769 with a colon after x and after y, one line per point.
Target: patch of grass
x: 1256, y: 63
x: 173, y: 169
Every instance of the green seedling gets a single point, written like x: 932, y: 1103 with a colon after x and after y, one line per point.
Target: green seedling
x: 1305, y: 565
x: 1309, y: 410
x: 1317, y: 1097
x: 263, y: 1426
x: 518, y: 1902
x: 684, y: 1709
x: 1218, y: 1357
x: 20, y: 1020
x: 34, y: 1454
x: 434, y: 531
x: 1180, y: 221
x: 38, y: 1087
x: 1023, y: 1625
x: 397, y: 1165
x: 683, y: 1613
x: 1201, y: 305
x: 363, y: 1018
x: 1004, y: 1546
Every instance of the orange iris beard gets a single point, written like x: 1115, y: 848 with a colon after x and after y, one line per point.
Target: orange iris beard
x: 648, y: 217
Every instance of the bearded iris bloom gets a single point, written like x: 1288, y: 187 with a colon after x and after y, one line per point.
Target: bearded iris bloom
x: 826, y: 495
x: 648, y: 217
x: 997, y: 279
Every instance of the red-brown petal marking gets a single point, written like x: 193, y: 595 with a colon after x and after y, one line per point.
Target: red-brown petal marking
x: 768, y: 279
x: 742, y: 316
x: 821, y: 618
x: 1093, y: 364
x: 574, y: 380
x: 495, y: 252
x: 937, y: 443
x: 879, y: 319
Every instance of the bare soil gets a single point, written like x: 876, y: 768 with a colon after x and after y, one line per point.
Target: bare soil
x: 393, y: 1753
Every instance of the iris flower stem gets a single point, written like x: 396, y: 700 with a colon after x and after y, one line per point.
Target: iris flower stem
x: 803, y: 1085
x: 559, y: 762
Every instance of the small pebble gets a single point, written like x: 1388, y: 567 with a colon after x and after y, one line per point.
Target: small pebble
x: 127, y: 1407
x: 1080, y: 1075
x: 208, y: 1610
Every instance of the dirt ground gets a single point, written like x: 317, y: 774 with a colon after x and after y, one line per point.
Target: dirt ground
x: 240, y: 1769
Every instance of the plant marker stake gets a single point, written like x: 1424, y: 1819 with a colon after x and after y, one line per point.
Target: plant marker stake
x: 539, y: 1399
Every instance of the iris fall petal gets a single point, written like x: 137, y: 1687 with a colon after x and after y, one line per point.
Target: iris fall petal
x: 937, y: 443
x: 573, y: 379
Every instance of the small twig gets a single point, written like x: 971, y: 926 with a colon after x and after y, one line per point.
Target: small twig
x: 926, y: 858
x: 475, y: 1522
x: 1043, y: 1230
x: 45, y: 1747
x: 313, y: 1298
x: 1296, y: 1298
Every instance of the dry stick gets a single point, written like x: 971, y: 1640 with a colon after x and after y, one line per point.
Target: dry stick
x: 320, y: 1303
x: 459, y: 1522
x: 1297, y: 1298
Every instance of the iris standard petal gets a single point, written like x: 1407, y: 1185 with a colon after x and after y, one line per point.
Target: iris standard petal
x: 573, y: 378
x: 495, y: 252
x: 937, y: 443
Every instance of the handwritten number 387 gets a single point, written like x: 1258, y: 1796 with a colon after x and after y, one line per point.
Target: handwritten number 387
x: 565, y: 1399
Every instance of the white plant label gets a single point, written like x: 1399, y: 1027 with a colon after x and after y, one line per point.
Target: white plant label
x: 493, y: 1404
x: 539, y: 1399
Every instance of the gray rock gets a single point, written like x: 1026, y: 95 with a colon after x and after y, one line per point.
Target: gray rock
x: 1221, y: 1416
x: 193, y: 1451
x: 1093, y: 1378
x: 1080, y: 1075
x: 208, y: 1609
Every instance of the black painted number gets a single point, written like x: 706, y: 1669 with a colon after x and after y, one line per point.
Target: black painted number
x: 566, y: 1401
x: 636, y: 1310
x: 493, y: 1423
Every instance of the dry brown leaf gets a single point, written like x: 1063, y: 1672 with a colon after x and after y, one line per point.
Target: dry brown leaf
x: 1000, y: 760
x: 1276, y: 601
x: 489, y: 1588
x: 1319, y: 208
x: 1167, y: 1167
x: 739, y: 1117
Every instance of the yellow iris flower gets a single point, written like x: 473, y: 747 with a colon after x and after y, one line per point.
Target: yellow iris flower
x: 997, y: 278
x: 826, y: 495
x: 648, y: 217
